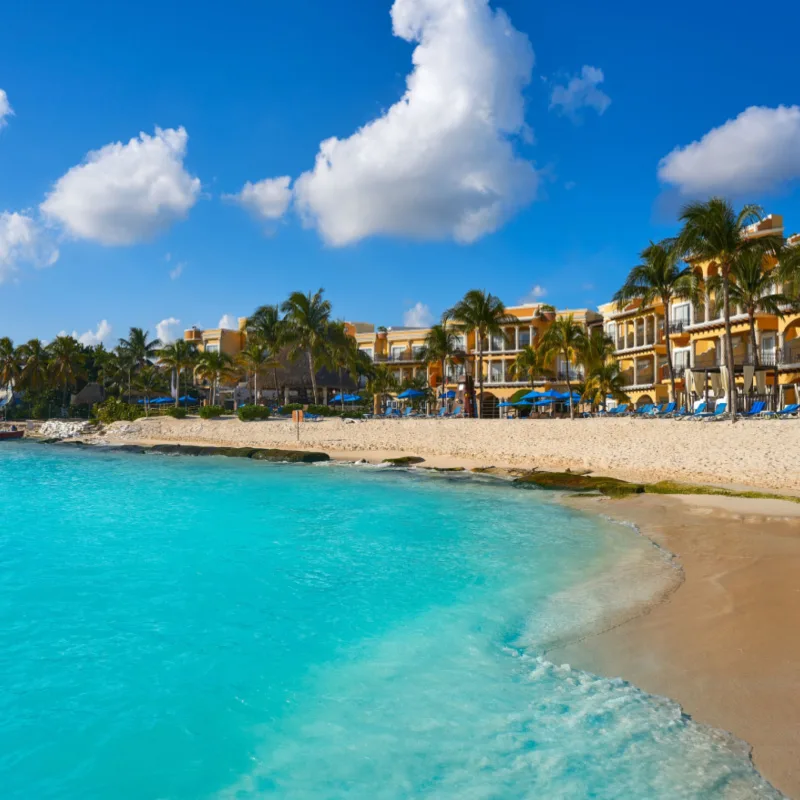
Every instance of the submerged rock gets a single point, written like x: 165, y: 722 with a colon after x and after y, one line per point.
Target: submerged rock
x: 403, y: 461
x: 572, y: 482
x: 292, y: 456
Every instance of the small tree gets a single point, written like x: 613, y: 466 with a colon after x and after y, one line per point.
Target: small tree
x: 565, y: 338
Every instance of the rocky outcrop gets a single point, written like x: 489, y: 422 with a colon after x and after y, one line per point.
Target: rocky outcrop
x: 63, y: 429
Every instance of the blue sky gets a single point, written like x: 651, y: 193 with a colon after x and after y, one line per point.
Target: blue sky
x: 247, y: 92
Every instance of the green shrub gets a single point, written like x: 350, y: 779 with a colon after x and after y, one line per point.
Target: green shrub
x: 175, y: 413
x: 289, y: 407
x: 115, y: 410
x: 209, y: 412
x: 250, y: 412
x: 323, y: 411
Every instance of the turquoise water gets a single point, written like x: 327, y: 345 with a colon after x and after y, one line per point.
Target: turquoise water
x: 216, y: 628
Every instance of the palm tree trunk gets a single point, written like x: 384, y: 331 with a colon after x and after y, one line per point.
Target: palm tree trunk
x: 569, y: 388
x: 752, y: 318
x: 443, y: 382
x: 726, y: 300
x: 255, y: 388
x: 313, y: 375
x: 479, y: 397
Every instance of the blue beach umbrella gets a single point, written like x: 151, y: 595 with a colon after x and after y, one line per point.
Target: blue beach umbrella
x: 348, y: 398
x: 448, y: 395
x: 409, y: 394
x: 187, y: 399
x: 534, y: 395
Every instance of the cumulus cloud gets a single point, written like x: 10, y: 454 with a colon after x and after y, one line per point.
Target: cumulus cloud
x: 92, y: 338
x: 758, y: 151
x: 418, y: 316
x: 126, y: 193
x: 23, y: 242
x: 5, y: 108
x: 535, y: 294
x: 229, y: 321
x: 440, y: 163
x: 167, y: 330
x: 581, y: 92
x: 177, y: 270
x: 268, y: 199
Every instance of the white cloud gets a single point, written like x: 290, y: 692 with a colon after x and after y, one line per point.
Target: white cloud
x: 440, y: 162
x: 418, y: 316
x: 570, y: 185
x: 229, y: 321
x: 177, y: 270
x: 757, y: 151
x: 167, y: 330
x: 125, y: 193
x: 5, y: 108
x: 23, y: 241
x: 92, y: 338
x: 535, y: 294
x: 581, y: 92
x: 268, y: 199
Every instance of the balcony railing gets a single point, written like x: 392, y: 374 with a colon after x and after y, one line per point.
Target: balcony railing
x: 790, y: 354
x: 678, y: 325
x: 406, y: 355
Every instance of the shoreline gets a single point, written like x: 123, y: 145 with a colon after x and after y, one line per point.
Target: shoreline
x: 720, y: 641
x: 750, y: 454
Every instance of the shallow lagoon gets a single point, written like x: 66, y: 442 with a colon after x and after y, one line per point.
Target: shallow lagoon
x: 184, y: 628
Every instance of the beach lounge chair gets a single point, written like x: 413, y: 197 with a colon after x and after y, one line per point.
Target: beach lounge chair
x: 787, y: 411
x: 458, y: 411
x: 620, y: 411
x: 442, y: 412
x: 758, y: 408
x: 698, y: 412
x: 644, y: 410
x: 391, y: 413
x: 720, y: 409
x: 409, y: 412
x: 666, y: 410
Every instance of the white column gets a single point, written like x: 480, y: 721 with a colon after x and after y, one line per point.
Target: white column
x: 516, y: 337
x: 635, y: 333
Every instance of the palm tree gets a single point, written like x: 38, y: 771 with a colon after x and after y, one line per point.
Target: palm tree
x: 714, y: 232
x: 661, y: 277
x: 484, y: 315
x: 150, y: 380
x: 381, y: 383
x: 214, y: 367
x: 753, y: 288
x: 10, y: 363
x: 565, y: 338
x: 267, y: 327
x: 34, y: 374
x: 67, y: 363
x: 441, y: 345
x: 140, y: 350
x: 178, y: 356
x: 530, y: 363
x: 306, y: 318
x: 595, y: 350
x: 255, y: 359
x: 604, y: 380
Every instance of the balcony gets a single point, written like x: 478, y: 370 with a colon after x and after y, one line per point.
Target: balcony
x: 406, y: 356
x: 790, y: 354
x: 677, y: 326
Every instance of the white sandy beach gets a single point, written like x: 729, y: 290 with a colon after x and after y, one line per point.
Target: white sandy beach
x: 750, y: 453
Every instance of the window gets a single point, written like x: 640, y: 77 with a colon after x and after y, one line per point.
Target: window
x: 681, y: 313
x: 368, y: 351
x: 524, y: 338
x: 417, y: 351
x: 498, y: 343
x: 496, y: 373
x: 461, y: 342
x: 212, y: 348
x: 398, y: 351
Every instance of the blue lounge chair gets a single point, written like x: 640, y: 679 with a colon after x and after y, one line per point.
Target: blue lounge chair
x: 458, y: 411
x: 786, y: 411
x: 409, y: 412
x: 758, y: 408
x: 442, y: 412
x: 720, y: 409
x: 666, y: 410
x: 698, y: 412
x: 391, y: 413
x: 644, y: 410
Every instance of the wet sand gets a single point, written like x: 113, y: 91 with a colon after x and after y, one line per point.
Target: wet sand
x: 726, y: 643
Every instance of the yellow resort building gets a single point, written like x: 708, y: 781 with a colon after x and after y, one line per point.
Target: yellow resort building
x: 219, y: 340
x: 402, y: 349
x: 696, y: 332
